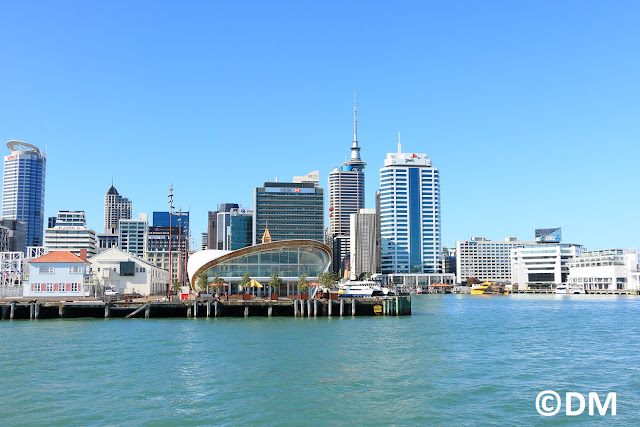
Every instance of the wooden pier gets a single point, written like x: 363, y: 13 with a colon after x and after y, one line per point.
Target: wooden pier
x: 38, y: 309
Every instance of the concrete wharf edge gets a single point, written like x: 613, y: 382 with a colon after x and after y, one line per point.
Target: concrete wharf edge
x: 207, y: 308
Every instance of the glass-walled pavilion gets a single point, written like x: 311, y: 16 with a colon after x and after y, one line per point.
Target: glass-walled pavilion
x: 289, y: 259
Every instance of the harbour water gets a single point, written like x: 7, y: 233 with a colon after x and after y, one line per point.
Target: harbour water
x: 459, y: 359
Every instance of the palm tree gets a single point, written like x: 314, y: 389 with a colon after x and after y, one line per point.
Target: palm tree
x: 245, y: 279
x: 217, y: 282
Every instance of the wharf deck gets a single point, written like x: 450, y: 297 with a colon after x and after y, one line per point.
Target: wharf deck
x: 588, y: 291
x: 49, y: 309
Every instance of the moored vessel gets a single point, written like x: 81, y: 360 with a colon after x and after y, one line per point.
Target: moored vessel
x: 363, y: 289
x: 568, y: 289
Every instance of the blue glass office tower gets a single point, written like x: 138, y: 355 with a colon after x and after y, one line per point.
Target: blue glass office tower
x: 177, y: 219
x: 410, y: 214
x: 23, y: 189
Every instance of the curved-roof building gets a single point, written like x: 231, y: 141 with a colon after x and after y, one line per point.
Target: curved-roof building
x: 287, y: 258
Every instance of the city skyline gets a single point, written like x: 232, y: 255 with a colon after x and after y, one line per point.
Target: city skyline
x: 529, y: 111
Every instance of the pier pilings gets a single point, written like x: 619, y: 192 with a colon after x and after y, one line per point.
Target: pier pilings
x: 294, y: 307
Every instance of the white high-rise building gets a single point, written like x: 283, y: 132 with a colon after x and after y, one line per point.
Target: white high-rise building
x: 116, y: 208
x: 485, y: 259
x: 364, y: 245
x: 134, y: 235
x: 346, y: 197
x: 410, y: 214
x: 71, y: 234
x: 23, y: 189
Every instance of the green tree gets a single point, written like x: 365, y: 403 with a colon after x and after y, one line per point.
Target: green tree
x: 243, y: 282
x: 275, y: 282
x: 303, y: 283
x: 328, y: 280
x: 175, y: 286
x: 364, y: 276
x: 202, y: 281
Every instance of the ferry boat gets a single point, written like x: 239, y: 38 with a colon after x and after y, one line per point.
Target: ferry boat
x: 363, y: 289
x: 481, y: 289
x: 568, y: 289
x: 487, y: 288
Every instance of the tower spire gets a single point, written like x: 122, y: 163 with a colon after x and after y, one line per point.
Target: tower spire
x: 355, y: 121
x: 399, y: 144
x: 355, y: 149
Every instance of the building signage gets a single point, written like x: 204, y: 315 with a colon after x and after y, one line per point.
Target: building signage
x: 289, y: 190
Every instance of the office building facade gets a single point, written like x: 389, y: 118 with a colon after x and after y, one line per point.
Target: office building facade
x: 71, y: 234
x: 290, y: 210
x: 23, y: 189
x: 163, y: 241
x: 410, y: 214
x: 214, y: 239
x: 364, y: 246
x: 17, y: 234
x: 542, y: 266
x: 133, y: 235
x: 485, y: 260
x: 240, y: 231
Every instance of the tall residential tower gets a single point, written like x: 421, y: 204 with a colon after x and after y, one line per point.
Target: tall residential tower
x: 23, y: 189
x: 410, y: 214
x: 116, y: 208
x: 346, y: 197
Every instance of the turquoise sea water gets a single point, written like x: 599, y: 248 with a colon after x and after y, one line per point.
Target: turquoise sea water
x: 458, y: 360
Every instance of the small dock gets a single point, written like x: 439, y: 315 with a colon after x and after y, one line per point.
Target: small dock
x: 37, y: 309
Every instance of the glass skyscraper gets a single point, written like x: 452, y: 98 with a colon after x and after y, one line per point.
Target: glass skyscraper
x: 410, y: 214
x: 23, y: 189
x: 290, y: 210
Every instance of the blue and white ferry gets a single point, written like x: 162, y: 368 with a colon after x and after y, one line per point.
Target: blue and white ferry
x: 363, y: 289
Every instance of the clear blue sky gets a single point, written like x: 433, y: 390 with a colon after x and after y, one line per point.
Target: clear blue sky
x: 530, y: 109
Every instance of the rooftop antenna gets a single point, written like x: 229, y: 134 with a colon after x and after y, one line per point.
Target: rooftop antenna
x: 355, y: 149
x: 399, y: 144
x: 355, y: 121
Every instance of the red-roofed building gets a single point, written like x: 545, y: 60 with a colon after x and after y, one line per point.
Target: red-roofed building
x: 57, y: 274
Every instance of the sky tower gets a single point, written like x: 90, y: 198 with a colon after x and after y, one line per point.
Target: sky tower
x: 346, y: 196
